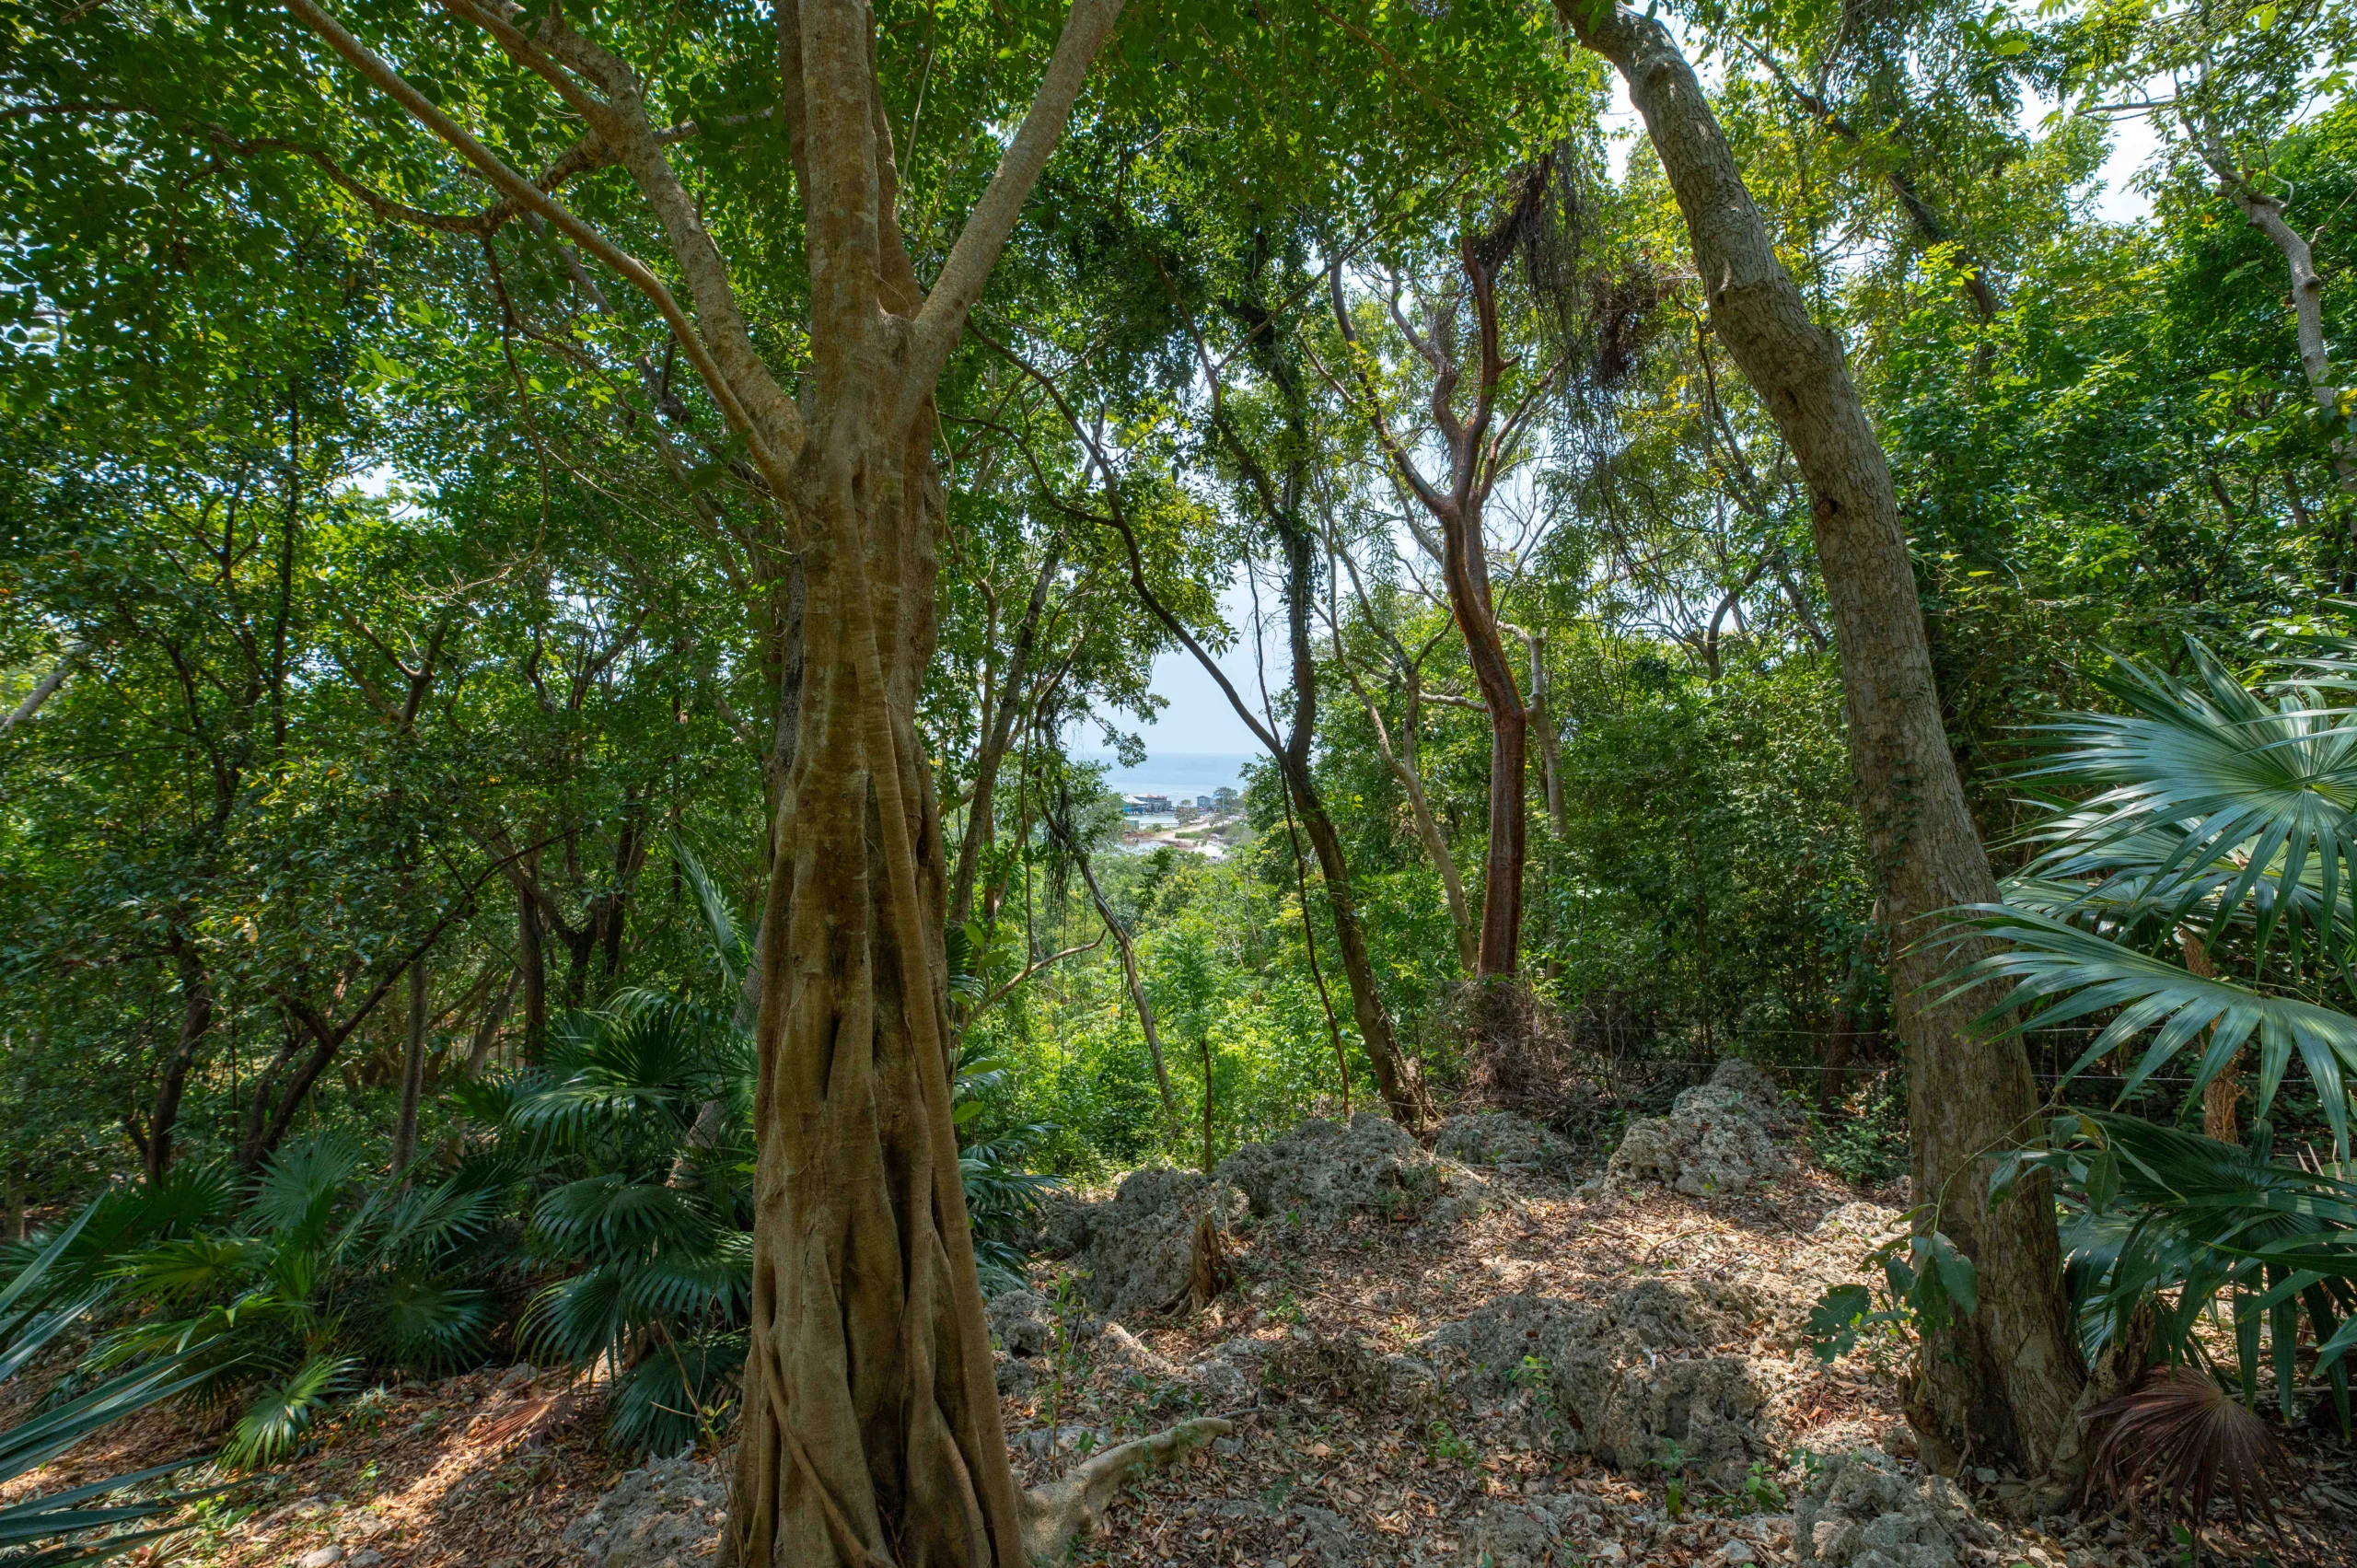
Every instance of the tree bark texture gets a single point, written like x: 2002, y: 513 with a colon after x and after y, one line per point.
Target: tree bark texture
x: 171, y: 1083
x: 2000, y: 1384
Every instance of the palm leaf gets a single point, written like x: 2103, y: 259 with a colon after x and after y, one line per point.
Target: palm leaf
x: 277, y: 1422
x: 2246, y: 791
x: 2045, y: 957
x: 731, y: 949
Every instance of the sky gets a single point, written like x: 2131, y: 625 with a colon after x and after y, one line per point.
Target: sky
x: 1198, y: 719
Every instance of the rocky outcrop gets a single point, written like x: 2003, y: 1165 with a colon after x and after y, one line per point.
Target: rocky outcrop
x: 1136, y: 1250
x: 665, y: 1515
x: 1322, y: 1172
x: 1863, y: 1511
x: 1508, y: 1142
x: 1633, y: 1382
x: 1719, y: 1138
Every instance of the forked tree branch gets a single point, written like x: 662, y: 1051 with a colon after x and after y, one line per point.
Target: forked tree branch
x: 943, y: 316
x: 532, y: 198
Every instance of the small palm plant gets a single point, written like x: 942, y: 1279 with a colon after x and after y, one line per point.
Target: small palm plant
x: 632, y: 1141
x: 321, y: 1275
x: 2196, y: 902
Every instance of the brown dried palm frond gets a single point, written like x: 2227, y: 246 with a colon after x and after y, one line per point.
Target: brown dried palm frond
x: 2182, y: 1435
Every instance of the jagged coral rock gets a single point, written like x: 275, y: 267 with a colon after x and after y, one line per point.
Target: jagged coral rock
x: 666, y: 1515
x: 1863, y: 1511
x: 1323, y: 1172
x: 1633, y: 1382
x: 1719, y: 1138
x: 1136, y: 1250
x: 1510, y: 1142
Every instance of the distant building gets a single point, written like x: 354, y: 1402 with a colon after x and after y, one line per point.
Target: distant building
x: 1203, y: 802
x: 1145, y: 806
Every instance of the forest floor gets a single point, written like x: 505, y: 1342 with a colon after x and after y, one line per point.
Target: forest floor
x: 1363, y: 1434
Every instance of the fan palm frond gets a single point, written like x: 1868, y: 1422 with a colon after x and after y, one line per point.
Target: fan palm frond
x: 674, y: 1396
x: 2045, y: 957
x: 2250, y: 790
x: 732, y: 945
x: 298, y: 1191
x: 428, y: 1323
x: 611, y: 1214
x: 2180, y: 1430
x: 278, y: 1421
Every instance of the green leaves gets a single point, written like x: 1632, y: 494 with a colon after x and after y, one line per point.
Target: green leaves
x: 2085, y: 974
x: 1926, y: 1281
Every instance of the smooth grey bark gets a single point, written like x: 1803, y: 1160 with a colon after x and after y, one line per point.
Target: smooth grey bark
x: 43, y: 688
x: 2001, y: 1383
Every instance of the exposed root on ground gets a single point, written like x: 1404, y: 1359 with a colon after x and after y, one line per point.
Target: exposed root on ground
x: 1056, y: 1514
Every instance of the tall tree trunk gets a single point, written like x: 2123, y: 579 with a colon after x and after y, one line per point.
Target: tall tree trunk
x: 2222, y: 1093
x: 171, y: 1083
x: 486, y: 1033
x: 998, y: 730
x: 2264, y: 214
x: 1464, y: 556
x: 2000, y: 1383
x: 412, y: 1070
x: 1543, y: 723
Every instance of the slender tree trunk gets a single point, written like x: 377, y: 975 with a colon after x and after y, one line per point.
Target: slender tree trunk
x: 2001, y: 1383
x: 1464, y: 558
x: 1543, y: 723
x: 1401, y: 758
x: 171, y: 1083
x: 2222, y: 1093
x: 43, y: 688
x: 1137, y: 993
x: 997, y: 732
x: 412, y: 1070
x: 486, y: 1033
x: 531, y: 962
x: 2264, y: 214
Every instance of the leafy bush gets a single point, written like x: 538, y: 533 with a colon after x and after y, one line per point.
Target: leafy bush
x: 1866, y: 1145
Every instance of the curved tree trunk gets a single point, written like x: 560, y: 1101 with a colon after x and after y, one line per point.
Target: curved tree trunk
x: 2001, y: 1383
x: 998, y: 731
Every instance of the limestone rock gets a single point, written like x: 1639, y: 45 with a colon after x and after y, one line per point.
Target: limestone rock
x: 1321, y: 1173
x: 1863, y: 1511
x: 1718, y: 1137
x: 1630, y: 1382
x: 1866, y: 1222
x: 1506, y: 1141
x: 1022, y: 1323
x: 1137, y: 1249
x: 1524, y: 1532
x: 665, y: 1515
x: 1328, y: 1539
x: 1757, y: 1086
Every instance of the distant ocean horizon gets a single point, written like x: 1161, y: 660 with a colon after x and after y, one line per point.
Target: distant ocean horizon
x: 1178, y: 774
